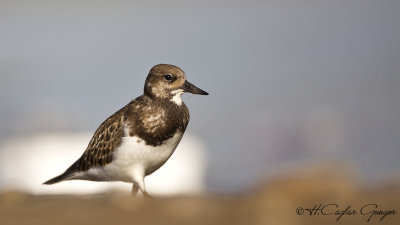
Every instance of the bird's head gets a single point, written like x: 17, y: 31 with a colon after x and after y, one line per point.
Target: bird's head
x: 169, y: 81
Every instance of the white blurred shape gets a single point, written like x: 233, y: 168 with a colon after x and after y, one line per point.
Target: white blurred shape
x: 27, y: 162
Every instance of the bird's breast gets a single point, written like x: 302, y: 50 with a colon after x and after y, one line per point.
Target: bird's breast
x: 156, y: 122
x: 134, y: 152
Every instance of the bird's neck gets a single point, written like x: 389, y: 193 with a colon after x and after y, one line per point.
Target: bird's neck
x: 175, y: 97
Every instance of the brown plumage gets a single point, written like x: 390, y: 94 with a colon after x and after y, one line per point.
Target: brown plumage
x: 153, y: 118
x: 106, y: 138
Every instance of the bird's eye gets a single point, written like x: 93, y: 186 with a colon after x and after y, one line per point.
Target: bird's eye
x: 168, y: 77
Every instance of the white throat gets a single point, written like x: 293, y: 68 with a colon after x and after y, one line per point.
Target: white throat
x: 177, y: 99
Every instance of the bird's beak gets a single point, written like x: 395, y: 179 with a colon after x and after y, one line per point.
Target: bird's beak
x: 188, y: 87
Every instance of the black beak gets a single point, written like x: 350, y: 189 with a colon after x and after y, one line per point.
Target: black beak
x: 188, y: 87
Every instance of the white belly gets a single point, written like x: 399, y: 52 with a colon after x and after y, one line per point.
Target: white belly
x: 133, y: 157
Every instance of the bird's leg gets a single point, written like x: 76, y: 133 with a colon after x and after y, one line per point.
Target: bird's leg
x: 142, y: 188
x: 138, y: 181
x: 135, y: 189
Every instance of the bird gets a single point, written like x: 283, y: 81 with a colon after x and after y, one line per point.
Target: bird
x: 139, y: 138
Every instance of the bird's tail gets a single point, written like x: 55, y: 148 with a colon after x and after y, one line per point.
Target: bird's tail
x: 65, y: 176
x: 59, y: 178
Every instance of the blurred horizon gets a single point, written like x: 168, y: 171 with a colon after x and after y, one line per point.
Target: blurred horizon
x: 291, y: 83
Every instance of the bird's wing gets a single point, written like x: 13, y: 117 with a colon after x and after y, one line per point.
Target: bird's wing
x: 103, y: 143
x: 99, y: 151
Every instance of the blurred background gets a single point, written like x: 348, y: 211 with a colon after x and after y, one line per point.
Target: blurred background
x: 298, y: 90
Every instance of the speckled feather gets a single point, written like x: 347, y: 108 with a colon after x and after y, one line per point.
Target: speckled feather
x: 155, y: 121
x: 100, y: 148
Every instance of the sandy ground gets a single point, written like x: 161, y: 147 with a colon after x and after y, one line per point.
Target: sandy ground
x: 275, y: 202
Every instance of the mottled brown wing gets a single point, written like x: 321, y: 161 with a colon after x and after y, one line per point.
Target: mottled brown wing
x: 104, y: 141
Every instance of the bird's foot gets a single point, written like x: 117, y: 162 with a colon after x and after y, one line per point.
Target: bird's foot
x: 146, y: 195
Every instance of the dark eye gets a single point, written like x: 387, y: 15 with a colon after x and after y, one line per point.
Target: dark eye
x: 168, y: 77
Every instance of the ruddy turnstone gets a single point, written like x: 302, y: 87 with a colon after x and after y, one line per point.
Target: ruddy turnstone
x: 139, y: 138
